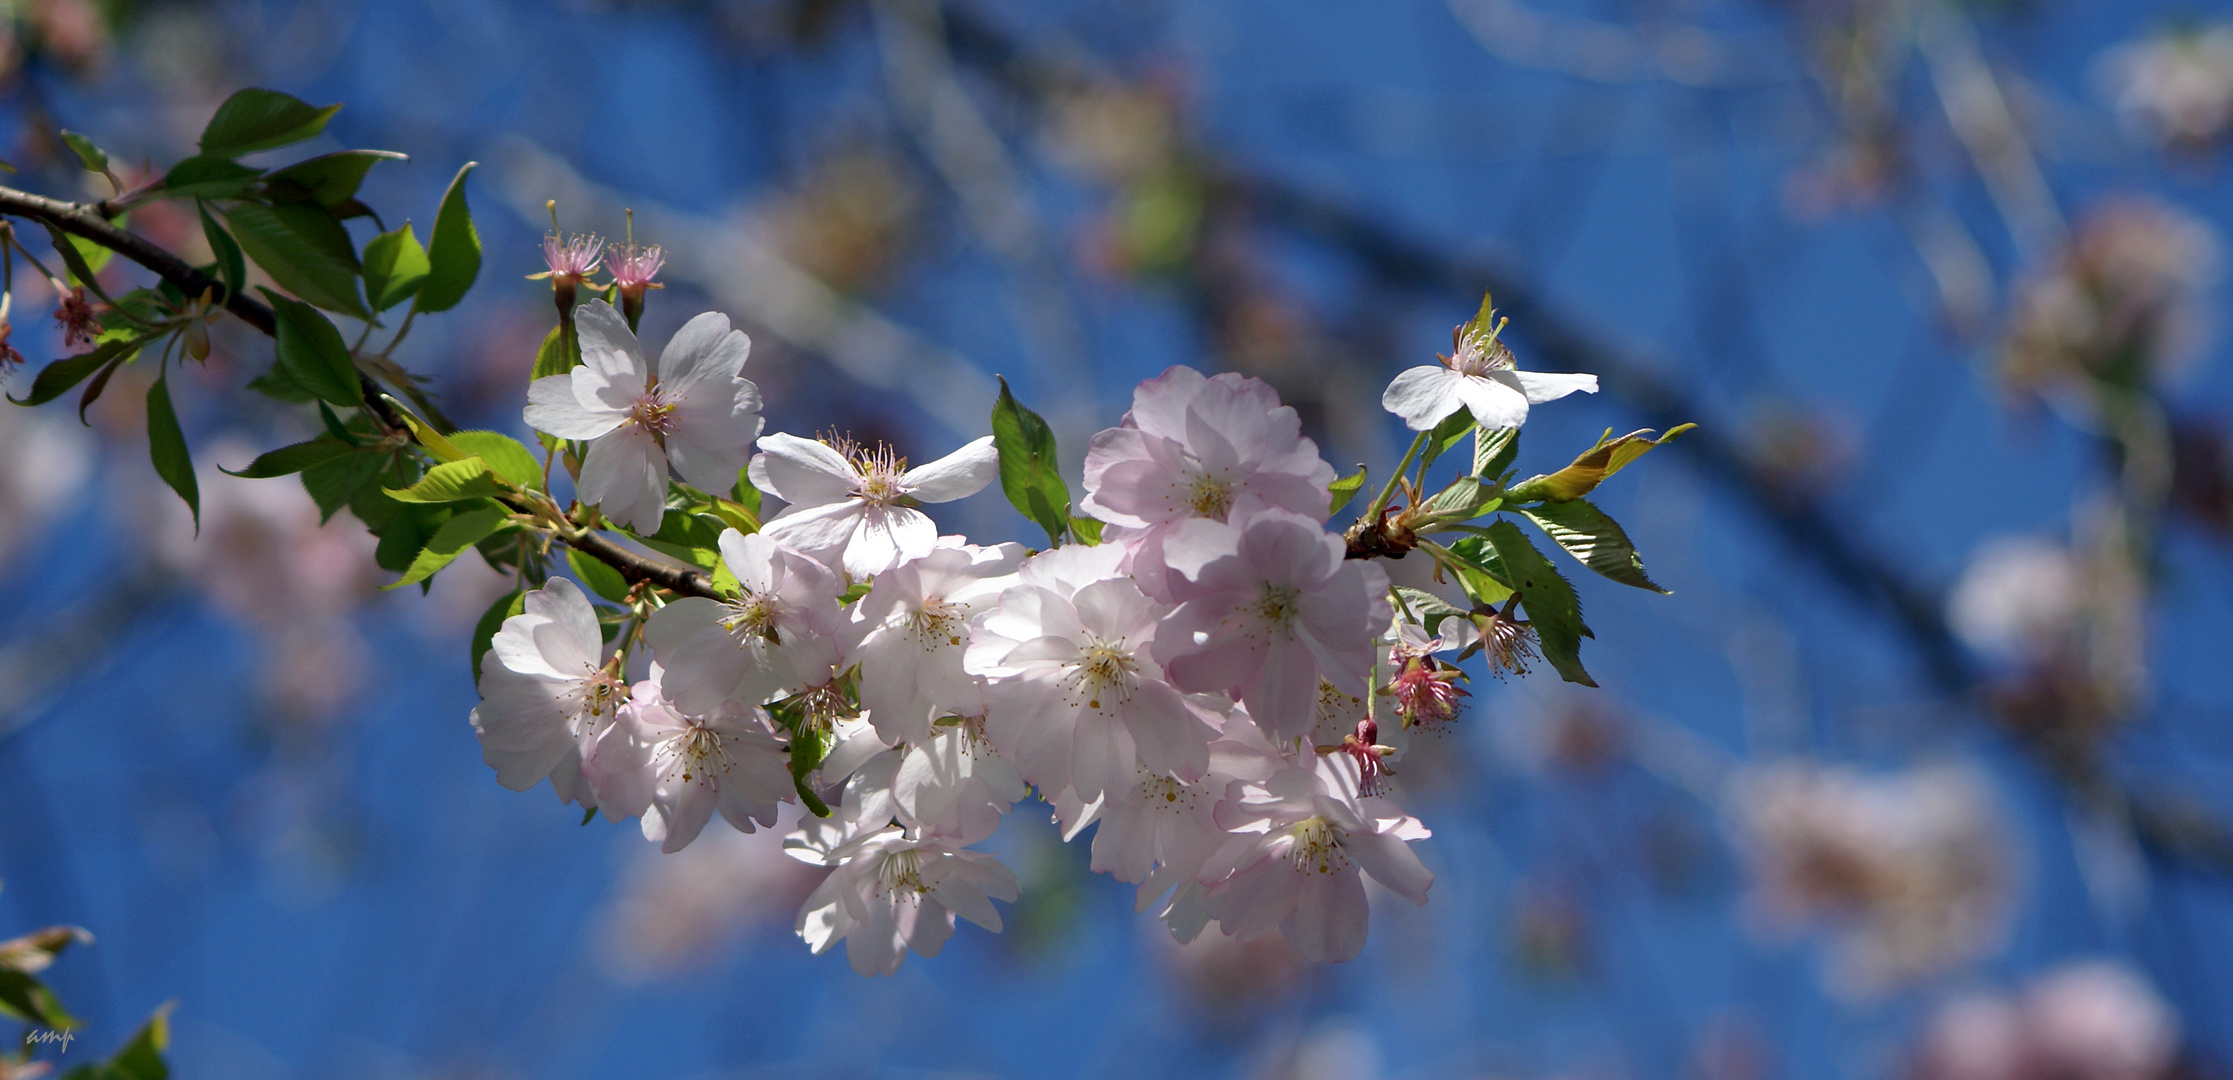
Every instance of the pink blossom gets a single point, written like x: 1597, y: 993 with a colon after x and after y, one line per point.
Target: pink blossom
x: 891, y: 893
x: 545, y: 692
x: 1197, y: 447
x: 677, y: 769
x: 909, y: 633
x: 1267, y: 608
x: 1300, y: 838
x: 779, y: 633
x: 854, y: 508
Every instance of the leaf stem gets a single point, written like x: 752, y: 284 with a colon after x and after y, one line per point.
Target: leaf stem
x: 1388, y: 491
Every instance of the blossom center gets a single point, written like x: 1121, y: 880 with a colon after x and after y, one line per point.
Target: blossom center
x: 1278, y: 606
x: 876, y: 473
x: 937, y: 623
x: 1165, y: 791
x: 1210, y: 496
x: 901, y: 874
x: 752, y: 617
x: 653, y: 413
x: 1317, y: 847
x: 1478, y: 355
x: 699, y: 753
x: 1105, y: 669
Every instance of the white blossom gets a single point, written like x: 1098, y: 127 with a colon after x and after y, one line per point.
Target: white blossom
x: 779, y: 633
x: 545, y: 689
x: 693, y: 410
x: 908, y: 635
x: 854, y: 508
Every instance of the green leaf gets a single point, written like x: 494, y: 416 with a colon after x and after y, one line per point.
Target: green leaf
x: 232, y: 267
x: 288, y: 460
x: 329, y: 180
x: 84, y: 259
x: 1345, y: 489
x: 312, y: 354
x: 1609, y: 456
x: 93, y: 157
x: 394, y: 267
x: 333, y: 482
x: 810, y: 745
x: 166, y: 444
x: 492, y: 620
x: 1027, y: 465
x: 1549, y: 599
x: 142, y: 1058
x: 1446, y: 434
x: 57, y: 378
x: 453, y: 250
x: 1479, y: 572
x: 510, y: 459
x: 452, y: 481
x: 1591, y: 536
x: 1086, y: 530
x: 745, y: 494
x: 93, y: 389
x: 601, y: 579
x: 204, y: 177
x: 27, y: 999
x: 406, y: 531
x: 689, y: 537
x: 1426, y: 608
x: 457, y: 534
x: 1465, y: 499
x: 275, y: 385
x: 257, y: 119
x: 435, y: 442
x: 556, y: 356
x: 303, y: 249
x: 1493, y: 451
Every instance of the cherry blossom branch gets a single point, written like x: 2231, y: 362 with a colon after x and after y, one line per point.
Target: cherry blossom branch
x: 89, y: 221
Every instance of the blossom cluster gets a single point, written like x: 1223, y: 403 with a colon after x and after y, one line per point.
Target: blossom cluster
x: 1211, y: 679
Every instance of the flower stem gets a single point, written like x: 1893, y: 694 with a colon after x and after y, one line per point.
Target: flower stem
x: 1388, y: 491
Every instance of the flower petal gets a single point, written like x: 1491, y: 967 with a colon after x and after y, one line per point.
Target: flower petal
x: 801, y: 472
x: 1542, y: 386
x: 705, y: 348
x: 1422, y: 396
x: 1496, y: 401
x: 625, y: 474
x: 552, y: 408
x: 962, y: 473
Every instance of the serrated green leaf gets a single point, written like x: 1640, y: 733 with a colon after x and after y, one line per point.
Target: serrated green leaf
x: 330, y: 180
x: 1477, y: 569
x: 333, y: 482
x: 1426, y: 608
x: 1345, y: 489
x: 461, y: 531
x: 689, y: 537
x: 452, y: 481
x: 435, y: 442
x: 492, y: 620
x: 166, y: 446
x: 1493, y: 451
x: 232, y: 266
x: 453, y: 250
x: 505, y: 454
x: 205, y: 177
x: 257, y: 119
x: 57, y: 378
x: 1446, y: 434
x: 394, y: 267
x: 556, y: 356
x: 407, y: 530
x: 1609, y: 456
x: 288, y: 460
x: 1086, y: 530
x: 303, y: 249
x: 1028, y: 475
x: 275, y: 385
x: 1595, y: 539
x: 1552, y: 607
x: 1466, y: 498
x: 312, y: 354
x: 92, y: 157
x: 600, y: 578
